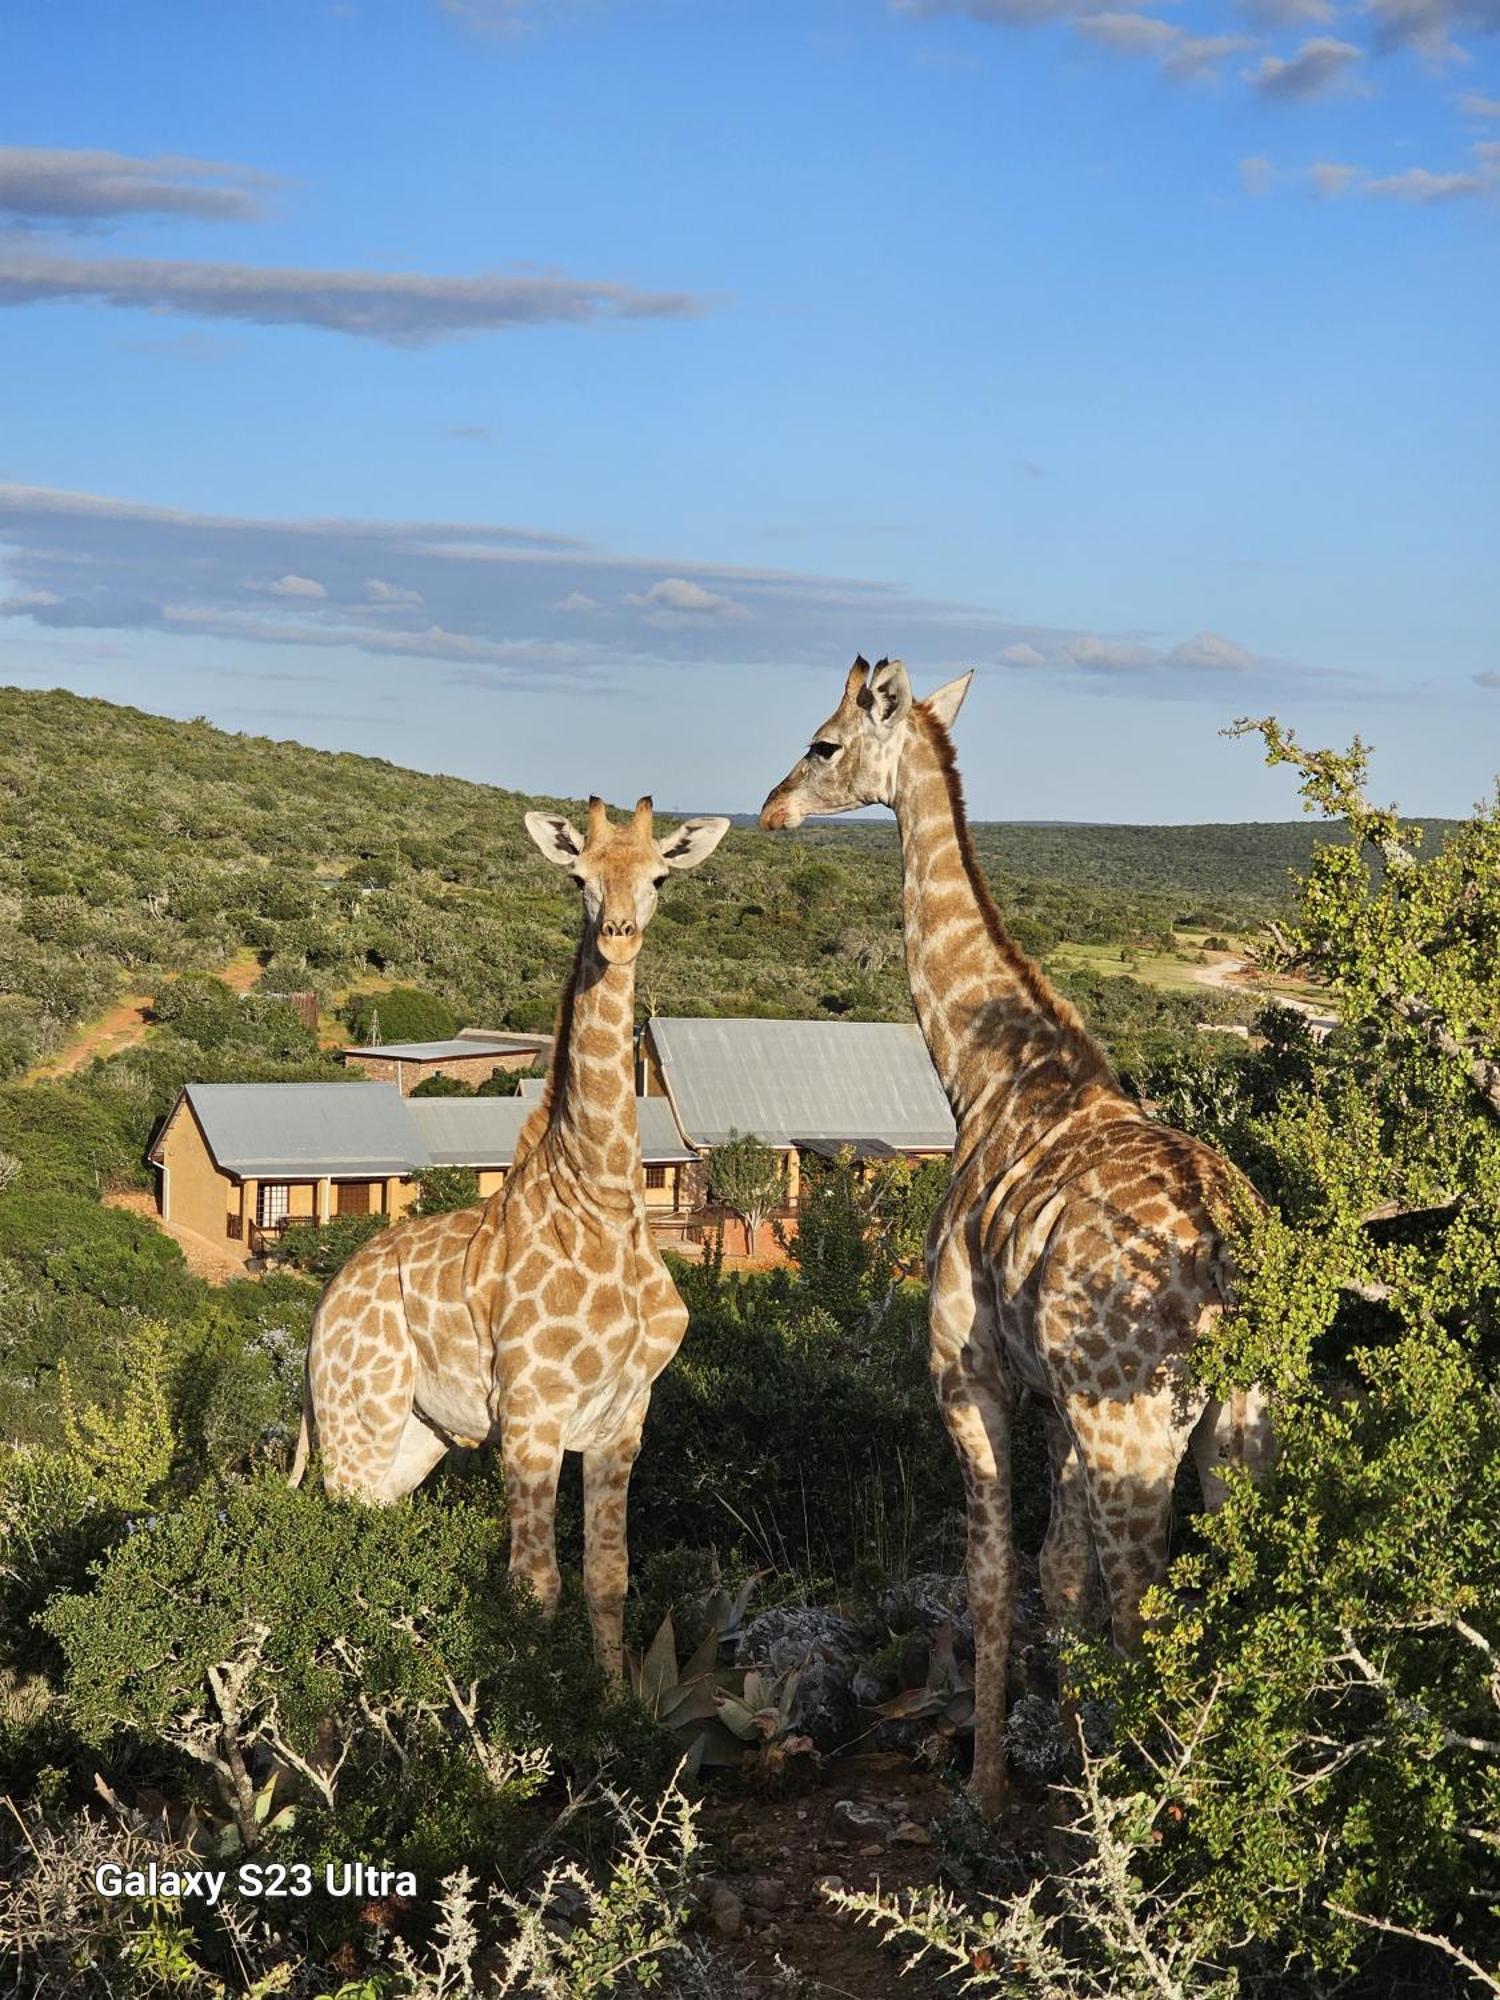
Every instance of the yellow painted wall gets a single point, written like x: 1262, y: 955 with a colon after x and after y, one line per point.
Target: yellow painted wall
x: 196, y: 1194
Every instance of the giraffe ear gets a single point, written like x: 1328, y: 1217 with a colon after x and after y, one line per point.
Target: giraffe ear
x: 558, y: 839
x: 888, y: 695
x: 692, y: 842
x: 945, y: 702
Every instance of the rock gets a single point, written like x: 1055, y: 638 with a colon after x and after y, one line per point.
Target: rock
x: 863, y: 1822
x: 742, y: 1844
x: 766, y: 1892
x: 824, y: 1648
x: 726, y: 1913
x: 827, y: 1885
x: 909, y: 1834
x: 1035, y: 1739
x: 871, y: 1849
x: 927, y: 1600
x: 869, y: 1688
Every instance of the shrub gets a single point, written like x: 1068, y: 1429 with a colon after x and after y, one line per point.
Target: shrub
x: 443, y: 1188
x: 322, y: 1249
x: 381, y: 1656
x: 407, y: 1014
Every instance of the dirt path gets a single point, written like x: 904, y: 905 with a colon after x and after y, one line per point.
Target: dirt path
x: 216, y: 1263
x: 126, y: 1024
x: 768, y: 1856
x: 1230, y: 972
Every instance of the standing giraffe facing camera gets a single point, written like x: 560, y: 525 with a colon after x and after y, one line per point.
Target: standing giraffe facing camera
x: 543, y: 1318
x: 1077, y: 1252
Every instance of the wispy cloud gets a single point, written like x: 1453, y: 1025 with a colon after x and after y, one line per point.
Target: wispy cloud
x: 679, y: 597
x: 1319, y: 66
x: 1177, y: 53
x: 1488, y: 679
x: 1419, y: 185
x: 1473, y: 105
x: 519, y: 608
x: 55, y: 186
x: 403, y: 308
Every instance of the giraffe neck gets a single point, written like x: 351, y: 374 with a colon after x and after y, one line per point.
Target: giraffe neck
x: 993, y: 1025
x: 587, y: 1117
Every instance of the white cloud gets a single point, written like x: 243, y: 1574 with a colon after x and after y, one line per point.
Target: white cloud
x: 1488, y: 679
x: 1257, y: 175
x: 1111, y: 656
x: 1208, y: 652
x: 679, y: 597
x: 1472, y: 105
x: 377, y: 591
x: 1022, y: 655
x: 576, y: 600
x: 293, y: 586
x: 1287, y: 13
x: 53, y: 185
x: 1320, y: 65
x: 1179, y: 54
x: 1416, y: 184
x: 404, y: 308
x: 1331, y: 178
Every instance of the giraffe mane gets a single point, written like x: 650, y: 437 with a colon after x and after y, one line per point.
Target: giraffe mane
x: 1037, y: 985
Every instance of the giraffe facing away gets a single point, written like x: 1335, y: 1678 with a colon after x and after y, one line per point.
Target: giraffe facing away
x: 1077, y: 1253
x: 541, y: 1320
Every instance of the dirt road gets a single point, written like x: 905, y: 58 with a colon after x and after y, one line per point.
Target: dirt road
x: 126, y: 1024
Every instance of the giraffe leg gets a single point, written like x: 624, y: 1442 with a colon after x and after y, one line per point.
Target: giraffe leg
x: 1130, y: 1479
x: 976, y: 1396
x: 532, y: 1465
x: 606, y: 1557
x: 418, y: 1449
x: 1068, y: 1565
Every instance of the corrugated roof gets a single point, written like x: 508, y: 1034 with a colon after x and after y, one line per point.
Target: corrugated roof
x: 296, y: 1129
x: 482, y: 1131
x: 438, y: 1051
x: 785, y: 1080
x: 300, y: 1130
x: 469, y: 1131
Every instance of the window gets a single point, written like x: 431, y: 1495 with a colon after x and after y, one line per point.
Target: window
x: 656, y: 1177
x: 275, y: 1204
x: 351, y: 1198
x: 233, y: 1229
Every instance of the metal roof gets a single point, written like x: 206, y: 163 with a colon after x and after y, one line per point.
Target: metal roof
x: 446, y: 1051
x: 305, y: 1130
x: 482, y: 1131
x: 297, y: 1129
x: 802, y: 1081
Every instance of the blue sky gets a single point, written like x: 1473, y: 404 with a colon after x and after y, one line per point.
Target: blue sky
x: 562, y: 393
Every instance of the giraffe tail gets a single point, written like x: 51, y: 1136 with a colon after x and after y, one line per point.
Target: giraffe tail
x: 304, y: 1442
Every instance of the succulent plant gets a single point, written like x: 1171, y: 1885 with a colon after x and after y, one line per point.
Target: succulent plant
x: 720, y: 1714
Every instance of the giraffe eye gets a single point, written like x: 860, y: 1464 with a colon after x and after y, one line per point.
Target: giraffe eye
x: 824, y: 751
x: 577, y: 880
x: 657, y: 880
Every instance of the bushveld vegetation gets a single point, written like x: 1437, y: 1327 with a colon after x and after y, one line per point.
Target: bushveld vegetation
x: 1296, y: 1788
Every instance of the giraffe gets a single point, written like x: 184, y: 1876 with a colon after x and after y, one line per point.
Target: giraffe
x: 541, y: 1319
x: 1077, y: 1253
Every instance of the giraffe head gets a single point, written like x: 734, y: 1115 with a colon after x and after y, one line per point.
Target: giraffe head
x: 854, y: 756
x: 621, y: 868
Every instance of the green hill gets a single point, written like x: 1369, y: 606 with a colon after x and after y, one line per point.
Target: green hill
x: 132, y: 846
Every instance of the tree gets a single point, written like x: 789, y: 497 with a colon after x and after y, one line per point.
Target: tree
x: 442, y: 1086
x: 1332, y: 1649
x: 443, y: 1188
x: 403, y: 1014
x: 745, y: 1175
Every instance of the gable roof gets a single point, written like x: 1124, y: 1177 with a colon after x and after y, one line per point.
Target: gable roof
x: 295, y: 1131
x: 802, y: 1081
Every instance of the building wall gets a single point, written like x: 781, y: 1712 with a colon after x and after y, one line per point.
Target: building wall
x: 191, y: 1190
x: 471, y: 1070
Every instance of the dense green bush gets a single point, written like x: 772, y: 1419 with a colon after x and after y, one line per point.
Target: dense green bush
x: 322, y: 1248
x: 405, y: 1014
x: 380, y: 1658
